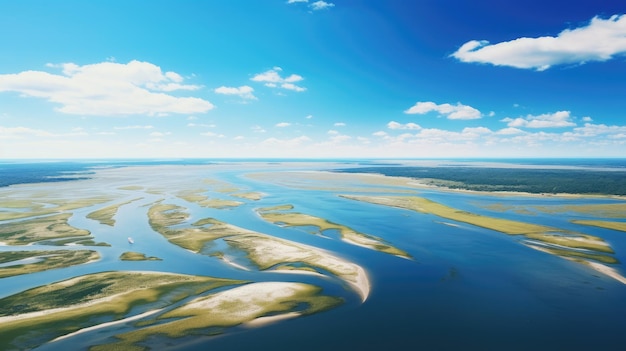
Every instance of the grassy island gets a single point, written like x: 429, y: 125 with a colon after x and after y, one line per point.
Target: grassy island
x: 38, y: 315
x: 137, y: 256
x: 264, y: 251
x: 253, y: 303
x: 197, y: 196
x: 105, y: 215
x: 49, y: 230
x: 349, y: 235
x: 566, y: 244
x: 26, y: 262
x: 621, y: 226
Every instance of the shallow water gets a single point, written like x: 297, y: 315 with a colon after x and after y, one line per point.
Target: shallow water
x: 466, y: 287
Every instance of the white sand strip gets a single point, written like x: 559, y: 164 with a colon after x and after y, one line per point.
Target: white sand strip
x: 236, y: 265
x: 262, y: 321
x: 108, y: 324
x: 611, y: 272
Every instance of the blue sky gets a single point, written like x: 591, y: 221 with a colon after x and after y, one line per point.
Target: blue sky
x: 337, y: 78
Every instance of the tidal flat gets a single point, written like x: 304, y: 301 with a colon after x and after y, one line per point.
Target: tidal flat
x: 222, y: 257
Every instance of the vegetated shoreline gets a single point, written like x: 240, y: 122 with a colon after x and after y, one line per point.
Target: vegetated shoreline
x: 554, y: 182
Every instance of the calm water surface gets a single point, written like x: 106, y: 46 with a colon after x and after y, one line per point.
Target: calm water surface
x: 466, y: 288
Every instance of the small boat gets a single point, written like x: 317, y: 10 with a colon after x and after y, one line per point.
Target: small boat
x: 130, y: 240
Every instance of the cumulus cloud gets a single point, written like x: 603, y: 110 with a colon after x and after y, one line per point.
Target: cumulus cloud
x: 321, y: 5
x: 244, y: 92
x: 396, y: 125
x: 283, y: 124
x: 339, y: 124
x: 600, y: 40
x: 458, y: 111
x: 296, y: 1
x: 107, y: 89
x: 273, y: 79
x: 548, y: 120
x: 592, y: 130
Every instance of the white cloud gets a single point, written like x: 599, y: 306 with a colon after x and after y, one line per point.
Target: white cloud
x: 258, y: 129
x: 339, y: 124
x: 509, y: 131
x: 296, y: 1
x: 159, y: 134
x: 458, y: 111
x: 212, y: 134
x: 600, y: 40
x: 244, y: 92
x: 332, y: 132
x: 592, y: 130
x: 380, y: 133
x: 291, y: 86
x: 309, y: 116
x: 548, y: 120
x: 107, y: 88
x: 396, y: 125
x: 273, y: 79
x: 321, y: 5
x: 587, y: 119
x: 283, y: 124
x: 18, y: 132
x: 203, y: 125
x: 134, y: 127
x: 25, y: 132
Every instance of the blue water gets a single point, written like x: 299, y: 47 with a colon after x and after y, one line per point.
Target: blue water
x: 466, y: 288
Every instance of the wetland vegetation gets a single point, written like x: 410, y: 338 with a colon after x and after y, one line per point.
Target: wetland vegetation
x: 571, y: 181
x: 295, y: 219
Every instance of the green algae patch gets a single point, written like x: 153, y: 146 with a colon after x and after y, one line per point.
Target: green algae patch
x: 36, y: 316
x: 26, y: 262
x: 256, y: 303
x: 105, y: 215
x: 41, y: 229
x: 613, y: 225
x: 349, y: 235
x: 137, y: 256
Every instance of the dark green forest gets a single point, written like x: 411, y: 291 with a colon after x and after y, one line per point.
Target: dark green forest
x: 510, y: 179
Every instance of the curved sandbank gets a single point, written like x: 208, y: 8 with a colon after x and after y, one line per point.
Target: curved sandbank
x: 263, y: 250
x: 65, y: 307
x: 253, y: 304
x: 348, y: 235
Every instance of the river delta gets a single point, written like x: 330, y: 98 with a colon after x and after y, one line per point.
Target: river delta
x: 287, y: 255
